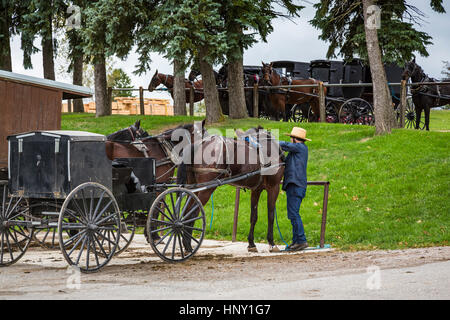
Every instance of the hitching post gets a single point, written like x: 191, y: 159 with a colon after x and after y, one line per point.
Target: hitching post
x: 326, y: 188
x: 322, y: 102
x: 109, y: 98
x: 236, y: 212
x: 403, y: 104
x: 141, y: 100
x: 324, y: 214
x: 191, y: 101
x: 255, y: 101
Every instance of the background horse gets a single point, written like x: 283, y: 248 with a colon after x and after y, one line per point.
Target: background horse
x: 425, y: 97
x: 217, y: 167
x: 221, y: 82
x: 279, y: 98
x: 167, y: 80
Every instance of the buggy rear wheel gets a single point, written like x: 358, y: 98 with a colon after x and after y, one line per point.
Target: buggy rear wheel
x: 47, y: 213
x: 356, y: 111
x: 410, y: 115
x: 332, y: 112
x: 16, y: 230
x: 183, y: 228
x: 91, y: 216
x: 299, y: 112
x: 127, y: 230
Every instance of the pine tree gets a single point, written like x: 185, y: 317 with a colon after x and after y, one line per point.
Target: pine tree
x: 344, y: 24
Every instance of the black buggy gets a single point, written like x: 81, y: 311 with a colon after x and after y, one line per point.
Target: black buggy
x: 63, y: 190
x: 351, y: 105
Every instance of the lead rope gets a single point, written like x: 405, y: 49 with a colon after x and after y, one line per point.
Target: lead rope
x: 278, y: 227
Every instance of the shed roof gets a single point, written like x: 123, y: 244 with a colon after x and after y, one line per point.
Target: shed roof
x: 69, y: 91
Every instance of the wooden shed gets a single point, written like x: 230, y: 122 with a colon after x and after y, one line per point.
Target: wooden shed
x: 29, y: 103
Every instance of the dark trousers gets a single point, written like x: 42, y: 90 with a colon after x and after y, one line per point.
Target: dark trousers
x: 295, y: 196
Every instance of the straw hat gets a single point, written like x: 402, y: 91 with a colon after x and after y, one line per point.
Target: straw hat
x: 298, y: 133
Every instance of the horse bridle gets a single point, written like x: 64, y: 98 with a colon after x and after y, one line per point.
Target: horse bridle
x: 270, y: 75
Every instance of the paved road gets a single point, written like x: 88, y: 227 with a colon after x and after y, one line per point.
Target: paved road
x: 225, y: 271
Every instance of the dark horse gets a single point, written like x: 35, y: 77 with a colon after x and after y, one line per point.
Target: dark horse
x: 167, y: 80
x: 222, y: 157
x: 279, y: 98
x: 221, y: 83
x: 425, y: 96
x: 134, y: 142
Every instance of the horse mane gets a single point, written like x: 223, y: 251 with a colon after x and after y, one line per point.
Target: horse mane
x: 122, y: 134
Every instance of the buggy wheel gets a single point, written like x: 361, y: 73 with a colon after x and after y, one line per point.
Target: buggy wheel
x: 356, y: 111
x: 184, y: 227
x: 15, y: 231
x: 48, y: 214
x: 332, y: 112
x: 127, y: 230
x: 311, y: 116
x: 91, y: 216
x: 410, y: 115
x: 299, y: 112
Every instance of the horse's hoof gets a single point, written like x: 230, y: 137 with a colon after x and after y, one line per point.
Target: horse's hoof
x: 274, y: 249
x: 252, y: 249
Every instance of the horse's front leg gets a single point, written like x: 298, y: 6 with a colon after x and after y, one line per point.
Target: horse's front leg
x: 204, y: 197
x: 272, y: 196
x: 253, y: 218
x: 427, y: 118
x: 418, y: 116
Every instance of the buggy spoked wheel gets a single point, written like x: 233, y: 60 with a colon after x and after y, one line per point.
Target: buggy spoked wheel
x: 332, y: 112
x: 299, y: 112
x: 183, y: 228
x: 356, y: 111
x: 16, y: 232
x: 312, y: 117
x: 127, y: 230
x: 91, y: 217
x: 410, y: 116
x: 48, y: 214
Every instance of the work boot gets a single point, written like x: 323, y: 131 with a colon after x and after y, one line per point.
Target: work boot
x: 298, y: 246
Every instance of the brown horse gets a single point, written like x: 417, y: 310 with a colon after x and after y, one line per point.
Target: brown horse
x: 280, y: 98
x: 168, y: 80
x: 134, y: 142
x: 225, y: 157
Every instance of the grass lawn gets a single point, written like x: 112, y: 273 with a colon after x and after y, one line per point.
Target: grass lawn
x: 386, y: 192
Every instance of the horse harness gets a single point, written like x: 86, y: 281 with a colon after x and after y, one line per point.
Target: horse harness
x: 423, y: 89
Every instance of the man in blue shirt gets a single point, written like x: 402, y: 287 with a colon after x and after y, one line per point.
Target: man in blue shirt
x: 294, y: 184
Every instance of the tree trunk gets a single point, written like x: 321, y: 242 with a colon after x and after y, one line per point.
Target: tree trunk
x: 179, y: 92
x: 236, y: 93
x: 47, y: 53
x: 382, y: 100
x: 78, y: 80
x: 5, y: 46
x: 101, y: 100
x: 213, y: 110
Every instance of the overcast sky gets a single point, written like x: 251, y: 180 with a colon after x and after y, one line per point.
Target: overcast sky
x: 291, y: 40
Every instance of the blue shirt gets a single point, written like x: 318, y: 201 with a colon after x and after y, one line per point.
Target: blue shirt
x: 296, y: 162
